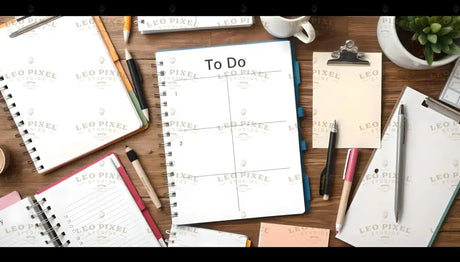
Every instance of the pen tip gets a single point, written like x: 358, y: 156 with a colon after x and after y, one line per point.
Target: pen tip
x: 127, y: 54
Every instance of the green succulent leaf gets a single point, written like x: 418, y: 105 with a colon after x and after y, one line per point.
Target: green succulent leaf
x: 445, y: 20
x: 434, y: 19
x: 422, y: 39
x: 435, y: 27
x: 445, y: 49
x: 453, y: 49
x: 436, y: 48
x: 427, y: 30
x: 428, y: 55
x: 412, y: 26
x: 432, y: 38
x: 404, y: 25
x: 454, y: 34
x: 445, y: 30
x: 414, y: 36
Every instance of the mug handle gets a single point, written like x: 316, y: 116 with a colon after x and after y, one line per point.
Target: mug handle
x: 310, y: 36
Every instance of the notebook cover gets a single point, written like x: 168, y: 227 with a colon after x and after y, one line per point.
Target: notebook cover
x: 303, y: 143
x: 140, y: 203
x: 9, y: 199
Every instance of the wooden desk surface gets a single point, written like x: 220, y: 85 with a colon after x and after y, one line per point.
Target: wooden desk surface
x: 331, y: 33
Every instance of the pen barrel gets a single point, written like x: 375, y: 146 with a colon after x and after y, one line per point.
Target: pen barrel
x: 137, y: 81
x: 352, y: 160
x: 331, y: 153
x: 343, y: 202
x: 145, y: 181
x: 399, y: 174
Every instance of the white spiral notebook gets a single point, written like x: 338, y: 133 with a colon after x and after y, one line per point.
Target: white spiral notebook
x: 189, y: 236
x: 230, y: 131
x: 431, y: 181
x: 96, y: 206
x: 162, y: 24
x: 65, y: 89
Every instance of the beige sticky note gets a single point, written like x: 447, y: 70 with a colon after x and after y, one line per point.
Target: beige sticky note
x: 278, y: 235
x: 351, y: 95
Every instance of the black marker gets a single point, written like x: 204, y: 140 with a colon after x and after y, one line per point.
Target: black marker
x: 137, y: 82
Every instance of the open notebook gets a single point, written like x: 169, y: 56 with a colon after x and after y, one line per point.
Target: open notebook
x: 66, y: 89
x: 230, y: 131
x: 432, y: 167
x: 96, y: 206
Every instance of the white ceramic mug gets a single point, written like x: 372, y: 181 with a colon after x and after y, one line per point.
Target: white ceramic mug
x: 282, y: 27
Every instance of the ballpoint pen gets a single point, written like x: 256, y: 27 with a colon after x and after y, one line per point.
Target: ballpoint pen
x: 327, y: 171
x: 399, y: 174
x: 348, y: 174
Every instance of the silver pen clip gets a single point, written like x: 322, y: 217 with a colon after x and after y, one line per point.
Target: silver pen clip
x: 32, y: 26
x: 346, y: 164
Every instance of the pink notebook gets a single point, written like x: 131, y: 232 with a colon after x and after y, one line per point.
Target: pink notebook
x: 9, y: 199
x: 277, y: 235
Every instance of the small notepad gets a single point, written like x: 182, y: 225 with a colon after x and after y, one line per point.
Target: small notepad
x: 278, y: 235
x: 351, y: 95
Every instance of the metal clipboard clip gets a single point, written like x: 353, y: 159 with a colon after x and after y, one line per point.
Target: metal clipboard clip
x: 348, y: 54
x: 32, y: 26
x: 441, y: 108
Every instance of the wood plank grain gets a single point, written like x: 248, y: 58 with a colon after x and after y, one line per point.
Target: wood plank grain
x: 331, y: 32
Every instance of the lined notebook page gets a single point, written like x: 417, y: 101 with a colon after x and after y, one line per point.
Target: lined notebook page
x: 18, y: 229
x: 66, y: 88
x: 95, y: 208
x: 232, y: 131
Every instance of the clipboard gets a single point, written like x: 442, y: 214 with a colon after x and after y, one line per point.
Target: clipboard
x: 437, y: 131
x: 347, y: 88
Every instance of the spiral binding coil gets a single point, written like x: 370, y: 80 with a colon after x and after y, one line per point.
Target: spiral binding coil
x: 40, y: 211
x: 172, y: 236
x: 15, y: 116
x: 166, y: 135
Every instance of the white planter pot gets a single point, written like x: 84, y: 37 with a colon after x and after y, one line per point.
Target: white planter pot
x: 395, y: 51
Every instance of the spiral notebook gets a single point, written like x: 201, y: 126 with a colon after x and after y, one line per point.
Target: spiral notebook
x: 65, y: 88
x: 163, y: 24
x: 95, y: 206
x: 231, y: 136
x: 431, y: 181
x: 189, y: 236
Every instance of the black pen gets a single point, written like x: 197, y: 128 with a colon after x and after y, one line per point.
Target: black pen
x: 137, y: 82
x: 327, y: 171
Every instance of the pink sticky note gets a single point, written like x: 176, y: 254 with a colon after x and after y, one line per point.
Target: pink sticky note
x: 9, y: 199
x: 277, y: 235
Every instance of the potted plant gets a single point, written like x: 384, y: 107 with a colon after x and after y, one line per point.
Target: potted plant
x: 419, y: 42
